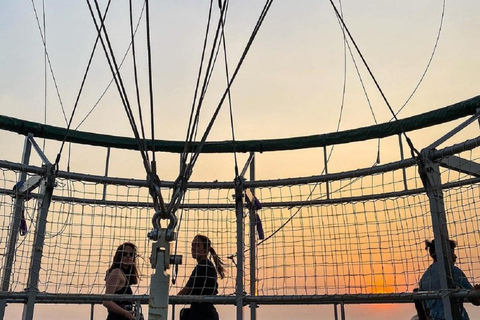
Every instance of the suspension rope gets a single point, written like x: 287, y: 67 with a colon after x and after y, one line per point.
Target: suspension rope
x: 232, y: 126
x: 81, y: 88
x: 338, y: 126
x: 208, y: 74
x: 47, y: 56
x: 180, y: 185
x: 429, y: 61
x: 242, y: 59
x: 223, y: 11
x: 209, y: 70
x: 346, y: 46
x: 186, y: 170
x: 118, y: 79
x: 190, y: 122
x: 135, y: 73
x: 414, y: 152
x: 150, y: 82
x: 153, y: 180
x: 45, y: 84
x: 364, y: 89
x: 111, y: 81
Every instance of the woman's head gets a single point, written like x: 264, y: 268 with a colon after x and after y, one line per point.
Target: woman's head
x: 125, y: 254
x: 124, y: 258
x: 201, y: 247
x: 430, y: 246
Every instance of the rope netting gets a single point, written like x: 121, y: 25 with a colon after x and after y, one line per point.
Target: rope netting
x: 332, y: 235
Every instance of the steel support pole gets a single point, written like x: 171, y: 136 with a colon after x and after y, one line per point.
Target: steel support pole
x: 92, y: 311
x: 430, y: 175
x: 46, y: 189
x: 15, y: 226
x: 159, y: 284
x: 253, y: 245
x: 107, y: 165
x: 239, y: 290
x: 325, y: 161
x: 402, y: 157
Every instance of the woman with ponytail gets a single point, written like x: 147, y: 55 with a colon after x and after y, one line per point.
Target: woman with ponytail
x: 203, y: 280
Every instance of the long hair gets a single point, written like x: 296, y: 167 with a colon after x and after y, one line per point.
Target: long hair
x: 131, y: 271
x: 430, y: 246
x: 219, y: 264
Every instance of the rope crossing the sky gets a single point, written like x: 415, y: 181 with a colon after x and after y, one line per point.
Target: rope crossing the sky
x: 413, y: 151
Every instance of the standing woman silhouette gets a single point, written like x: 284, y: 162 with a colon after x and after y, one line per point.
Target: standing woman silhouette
x: 203, y: 280
x: 121, y: 274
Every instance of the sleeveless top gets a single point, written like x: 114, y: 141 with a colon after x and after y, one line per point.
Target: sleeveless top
x: 127, y: 305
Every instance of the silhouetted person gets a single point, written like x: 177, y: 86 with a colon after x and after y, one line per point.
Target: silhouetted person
x: 430, y: 281
x: 203, y: 280
x: 121, y: 274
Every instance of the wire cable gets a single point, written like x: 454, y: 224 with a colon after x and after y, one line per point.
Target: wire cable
x: 234, y: 75
x: 150, y: 82
x: 413, y: 151
x: 112, y: 80
x: 223, y: 40
x: 47, y: 56
x: 192, y: 112
x: 81, y: 88
x: 135, y: 72
x: 118, y: 80
x: 429, y: 61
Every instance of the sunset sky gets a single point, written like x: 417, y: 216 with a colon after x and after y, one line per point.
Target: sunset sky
x: 298, y: 79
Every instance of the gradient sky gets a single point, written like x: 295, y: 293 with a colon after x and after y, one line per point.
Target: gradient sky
x: 291, y: 83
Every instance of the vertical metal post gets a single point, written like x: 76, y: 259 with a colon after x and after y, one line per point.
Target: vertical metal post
x: 335, y: 311
x: 325, y: 160
x: 342, y: 310
x: 253, y: 245
x: 159, y: 284
x: 17, y: 216
x: 173, y: 311
x: 46, y: 189
x: 92, y: 311
x: 404, y: 172
x: 107, y: 163
x: 239, y: 292
x: 430, y: 174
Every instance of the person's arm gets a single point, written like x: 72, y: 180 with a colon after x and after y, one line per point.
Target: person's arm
x: 465, y: 284
x: 115, y: 281
x: 190, y: 284
x: 184, y: 291
x: 475, y: 301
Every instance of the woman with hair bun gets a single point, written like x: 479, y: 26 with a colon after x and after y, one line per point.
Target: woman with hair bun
x: 430, y: 281
x: 203, y: 280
